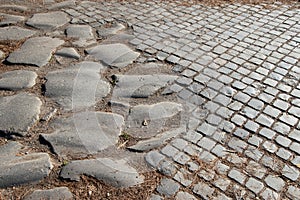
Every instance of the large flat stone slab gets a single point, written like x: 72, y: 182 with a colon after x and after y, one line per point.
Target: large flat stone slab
x: 48, y: 21
x: 18, y: 113
x: 145, y: 121
x: 52, y: 194
x: 114, y: 29
x: 17, y: 170
x: 10, y: 19
x: 140, y: 86
x: 17, y: 80
x: 35, y: 51
x: 85, y: 133
x: 114, y: 55
x: 83, y: 34
x: 63, y: 4
x: 15, y: 33
x: 111, y: 171
x: 77, y: 87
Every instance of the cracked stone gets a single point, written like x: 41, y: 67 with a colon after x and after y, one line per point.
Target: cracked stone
x: 111, y: 171
x: 55, y: 193
x: 15, y: 33
x: 35, y: 51
x: 115, y: 55
x: 18, y: 113
x: 78, y: 86
x: 84, y: 133
x: 17, y: 170
x: 83, y: 34
x: 48, y: 21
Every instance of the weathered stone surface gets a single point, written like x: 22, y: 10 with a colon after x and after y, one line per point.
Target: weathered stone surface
x: 157, y: 141
x: 13, y: 7
x: 10, y: 19
x: 15, y: 33
x: 68, y: 53
x: 115, y: 55
x: 18, y: 113
x: 77, y: 87
x: 48, y: 21
x: 17, y: 80
x: 2, y: 54
x: 16, y: 170
x: 85, y: 133
x: 104, y: 32
x: 53, y: 194
x: 145, y: 121
x: 114, y: 172
x: 84, y: 34
x: 35, y: 51
x: 140, y: 86
x: 64, y: 4
x: 184, y: 195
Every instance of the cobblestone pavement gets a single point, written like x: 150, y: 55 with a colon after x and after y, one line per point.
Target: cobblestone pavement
x: 207, y: 96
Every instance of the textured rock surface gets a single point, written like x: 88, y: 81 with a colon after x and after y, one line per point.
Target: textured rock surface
x: 114, y: 172
x: 15, y: 33
x: 83, y: 34
x: 16, y: 170
x: 8, y: 19
x: 59, y: 193
x: 68, y: 53
x: 19, y: 112
x: 85, y: 133
x: 48, y: 21
x: 115, y: 55
x: 17, y: 80
x: 104, y: 32
x: 78, y: 86
x: 35, y: 51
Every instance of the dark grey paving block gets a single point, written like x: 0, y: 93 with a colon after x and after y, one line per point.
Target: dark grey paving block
x: 57, y: 193
x: 111, y: 171
x: 19, y: 113
x: 35, y: 51
x: 15, y: 33
x: 48, y: 21
x: 17, y: 80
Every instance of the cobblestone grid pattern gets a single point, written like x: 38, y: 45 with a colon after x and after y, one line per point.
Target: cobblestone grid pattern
x: 238, y: 78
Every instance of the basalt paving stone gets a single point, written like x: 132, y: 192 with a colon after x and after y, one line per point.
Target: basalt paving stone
x: 19, y: 113
x: 84, y: 133
x: 10, y: 19
x: 59, y: 193
x: 140, y: 86
x: 145, y: 121
x: 35, y: 51
x: 77, y: 87
x: 111, y: 171
x: 15, y: 33
x: 16, y: 170
x: 48, y: 21
x: 114, y: 55
x: 17, y: 80
x: 13, y: 7
x: 114, y: 29
x: 63, y: 4
x: 83, y: 34
x: 68, y: 53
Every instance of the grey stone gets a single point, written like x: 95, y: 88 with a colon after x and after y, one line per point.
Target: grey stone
x: 237, y: 175
x: 268, y: 193
x: 290, y: 172
x: 10, y: 19
x: 19, y: 113
x: 152, y: 118
x: 17, y: 170
x: 35, y: 51
x: 84, y: 133
x: 153, y: 158
x: 13, y: 7
x: 115, y: 55
x: 155, y: 197
x: 17, y: 80
x: 204, y: 190
x: 157, y: 141
x: 111, y: 171
x: 78, y: 86
x: 63, y: 4
x: 48, y: 21
x: 68, y: 53
x: 2, y: 54
x: 53, y: 194
x: 275, y: 182
x: 184, y: 177
x: 184, y: 195
x: 15, y: 33
x: 254, y: 185
x: 83, y: 34
x: 168, y: 187
x: 114, y: 29
x: 293, y: 192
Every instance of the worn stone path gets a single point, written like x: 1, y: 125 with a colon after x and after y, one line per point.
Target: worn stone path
x: 207, y: 96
